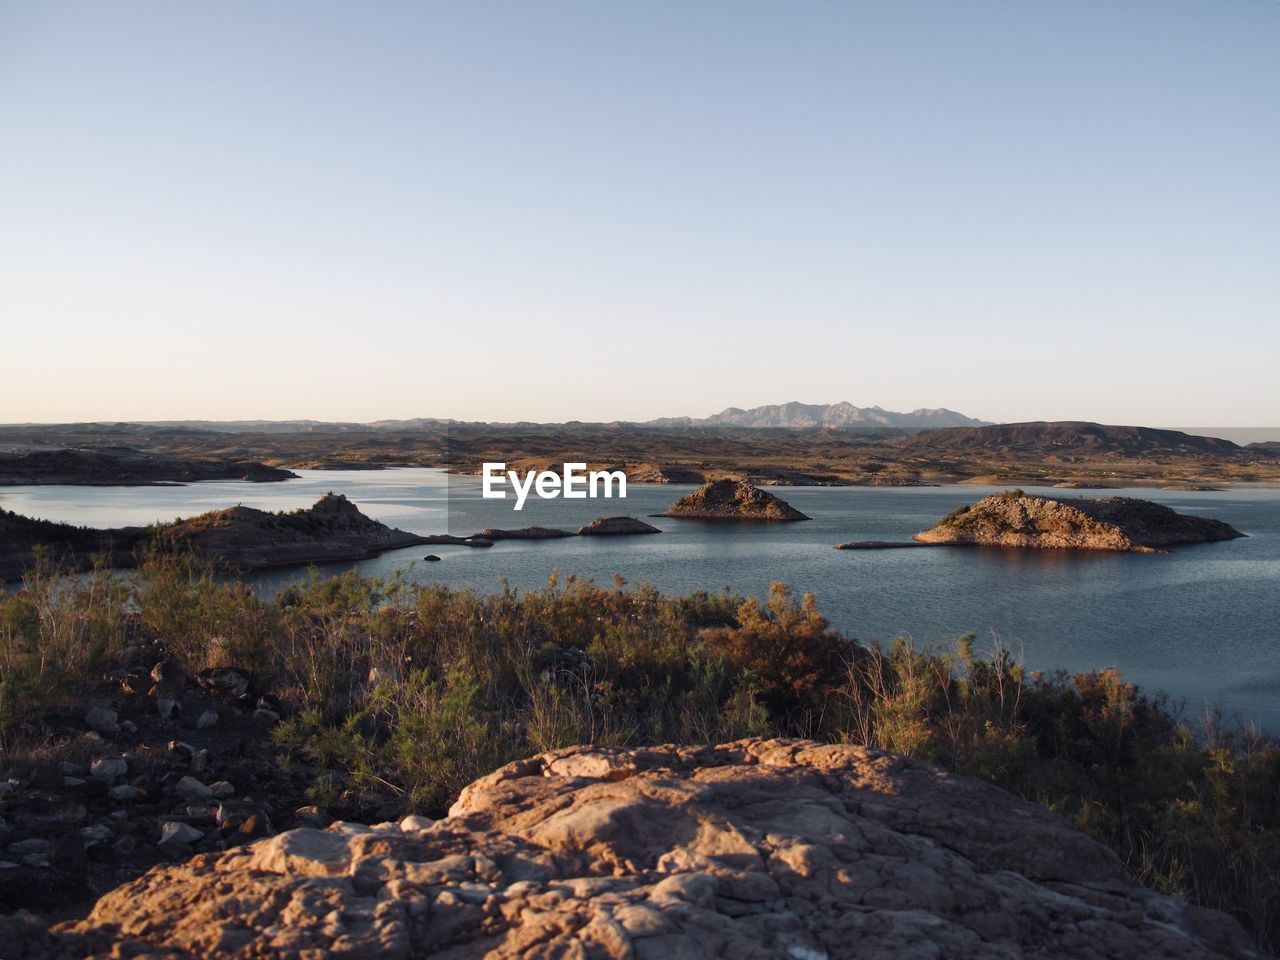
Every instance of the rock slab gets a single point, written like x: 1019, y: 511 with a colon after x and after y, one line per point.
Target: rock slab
x: 755, y: 849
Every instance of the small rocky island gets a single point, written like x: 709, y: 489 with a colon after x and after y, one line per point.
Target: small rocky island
x: 1017, y: 519
x: 730, y: 499
x: 331, y: 530
x: 616, y: 527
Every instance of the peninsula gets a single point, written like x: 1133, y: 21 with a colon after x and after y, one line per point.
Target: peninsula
x: 242, y: 538
x: 123, y: 466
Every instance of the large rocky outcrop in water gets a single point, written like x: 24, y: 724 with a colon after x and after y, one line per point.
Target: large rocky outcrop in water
x: 755, y: 849
x: 730, y: 499
x: 617, y: 527
x: 332, y: 529
x: 1015, y: 519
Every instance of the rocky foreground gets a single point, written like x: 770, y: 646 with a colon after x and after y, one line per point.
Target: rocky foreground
x: 730, y: 499
x: 1015, y: 519
x: 755, y: 849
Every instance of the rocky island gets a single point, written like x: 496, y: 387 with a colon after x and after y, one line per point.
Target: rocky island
x: 616, y: 527
x: 730, y: 499
x: 758, y: 848
x: 123, y: 466
x: 1016, y: 519
x: 243, y: 538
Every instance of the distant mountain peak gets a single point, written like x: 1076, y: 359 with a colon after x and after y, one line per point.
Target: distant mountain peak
x: 796, y: 415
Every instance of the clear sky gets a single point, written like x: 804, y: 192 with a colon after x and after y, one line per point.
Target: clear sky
x: 548, y: 210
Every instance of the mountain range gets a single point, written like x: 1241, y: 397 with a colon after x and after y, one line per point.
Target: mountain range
x: 791, y: 416
x: 799, y: 416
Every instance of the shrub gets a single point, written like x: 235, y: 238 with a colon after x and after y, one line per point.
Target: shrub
x: 400, y: 694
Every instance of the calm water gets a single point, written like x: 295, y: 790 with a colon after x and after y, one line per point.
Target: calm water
x: 1202, y: 623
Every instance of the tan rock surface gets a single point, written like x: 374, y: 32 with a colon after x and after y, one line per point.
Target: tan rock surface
x: 755, y: 849
x: 729, y: 499
x: 1015, y: 519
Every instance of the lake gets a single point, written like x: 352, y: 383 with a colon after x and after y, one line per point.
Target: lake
x: 1202, y: 623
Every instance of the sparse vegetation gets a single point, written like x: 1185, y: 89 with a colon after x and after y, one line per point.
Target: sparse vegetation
x: 402, y: 693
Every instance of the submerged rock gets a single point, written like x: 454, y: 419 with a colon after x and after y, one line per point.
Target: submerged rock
x: 524, y: 533
x: 755, y: 849
x: 1016, y: 519
x: 733, y: 500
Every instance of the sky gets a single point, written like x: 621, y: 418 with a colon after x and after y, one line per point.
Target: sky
x: 602, y: 210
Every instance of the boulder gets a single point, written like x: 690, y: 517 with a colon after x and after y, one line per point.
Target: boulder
x: 755, y: 849
x: 102, y: 719
x: 109, y: 769
x: 176, y: 834
x: 189, y: 788
x: 230, y: 683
